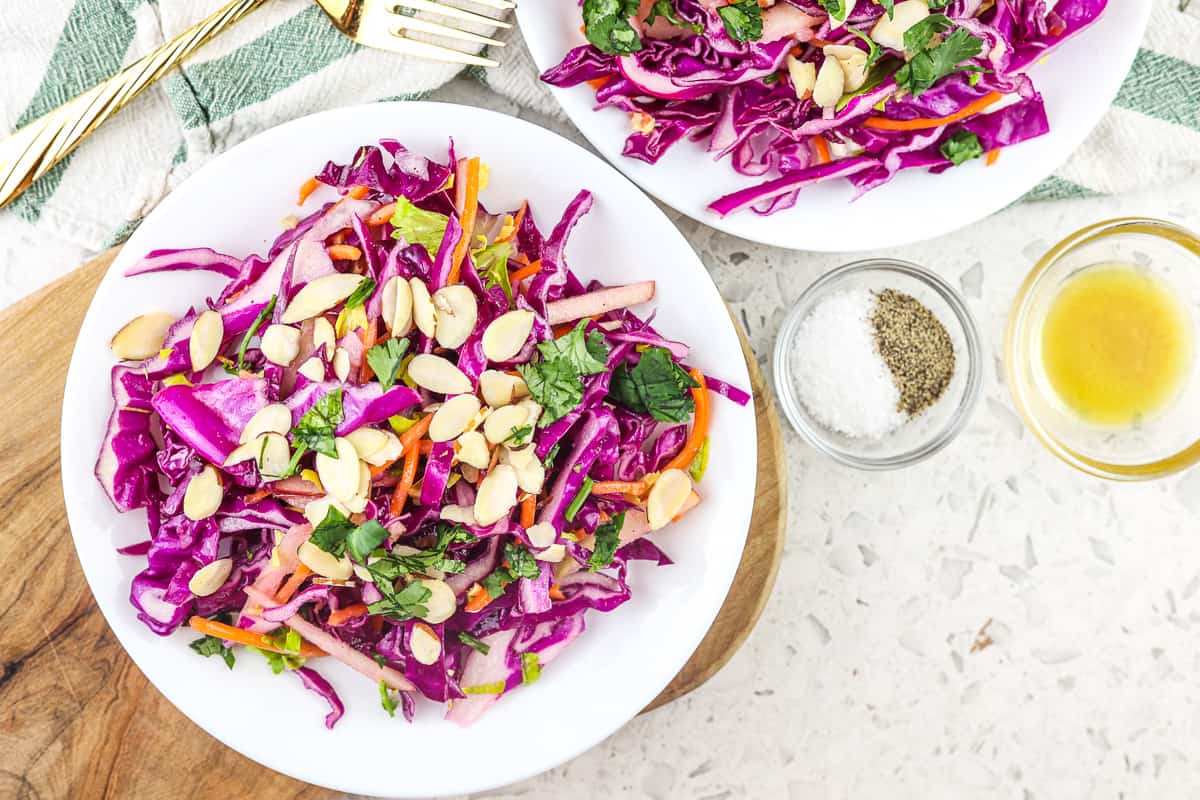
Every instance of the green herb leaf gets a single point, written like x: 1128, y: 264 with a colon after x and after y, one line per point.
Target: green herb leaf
x: 405, y: 604
x: 608, y: 539
x: 385, y: 359
x: 531, y: 669
x: 494, y: 584
x: 521, y: 562
x: 361, y: 293
x: 577, y: 501
x: 365, y: 538
x: 934, y: 5
x: 519, y: 436
x: 606, y: 25
x: 890, y: 5
x: 665, y: 8
x: 315, y: 430
x: 743, y: 20
x: 962, y: 146
x: 929, y: 64
x: 656, y: 385
x: 874, y: 51
x: 262, y: 317
x: 417, y: 226
x: 213, y: 646
x: 390, y: 566
x: 836, y: 9
x: 386, y: 700
x: 473, y: 643
x: 491, y: 263
x: 585, y: 352
x: 554, y: 385
x: 331, y: 533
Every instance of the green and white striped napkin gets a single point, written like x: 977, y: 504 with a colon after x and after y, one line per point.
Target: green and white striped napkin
x: 286, y: 60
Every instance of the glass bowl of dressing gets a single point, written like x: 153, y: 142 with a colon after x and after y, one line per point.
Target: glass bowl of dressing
x: 1101, y: 349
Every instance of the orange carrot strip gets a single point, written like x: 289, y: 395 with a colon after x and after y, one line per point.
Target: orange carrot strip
x: 425, y: 447
x: 477, y: 599
x: 695, y: 439
x: 598, y: 83
x: 525, y: 272
x: 400, y: 495
x: 243, y: 636
x: 344, y: 252
x: 344, y: 615
x: 556, y: 592
x: 467, y: 218
x: 822, y: 148
x: 516, y: 226
x: 528, y: 510
x: 382, y: 214
x: 619, y: 487
x: 415, y: 432
x: 307, y: 188
x: 885, y: 124
x: 261, y: 494
x: 992, y: 156
x: 293, y: 583
x: 358, y: 192
x: 367, y: 334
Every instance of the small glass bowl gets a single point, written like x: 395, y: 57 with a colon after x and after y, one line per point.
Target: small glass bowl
x: 1164, y: 443
x: 929, y: 431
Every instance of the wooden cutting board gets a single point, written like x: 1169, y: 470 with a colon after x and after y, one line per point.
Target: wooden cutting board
x: 77, y: 718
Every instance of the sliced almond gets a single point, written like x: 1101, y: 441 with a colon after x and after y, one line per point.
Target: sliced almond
x: 470, y: 474
x: 142, y: 337
x: 323, y: 563
x: 531, y: 476
x: 500, y: 389
x: 853, y: 61
x: 271, y: 418
x: 358, y: 503
x: 554, y: 553
x: 522, y: 456
x: 424, y: 644
x: 532, y: 410
x: 367, y: 441
x: 423, y: 311
x: 501, y: 423
x: 437, y: 375
x: 274, y: 455
x: 453, y: 417
x: 831, y: 80
x: 463, y: 515
x: 340, y: 475
x: 324, y: 336
x: 280, y: 344
x: 472, y: 448
x: 316, y: 510
x: 497, y: 494
x: 889, y: 30
x: 203, y: 494
x: 803, y: 75
x: 541, y: 535
x: 667, y: 497
x: 457, y: 311
x: 341, y: 364
x: 207, y: 333
x: 243, y: 452
x: 388, y: 453
x: 506, y: 335
x: 210, y: 577
x: 441, y: 604
x: 319, y: 295
x: 313, y: 369
x: 402, y: 317
x: 387, y: 299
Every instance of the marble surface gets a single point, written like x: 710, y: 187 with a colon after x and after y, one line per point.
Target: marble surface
x: 988, y: 624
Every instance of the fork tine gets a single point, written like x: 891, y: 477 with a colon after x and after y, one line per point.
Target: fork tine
x: 451, y: 12
x: 418, y: 24
x: 402, y: 44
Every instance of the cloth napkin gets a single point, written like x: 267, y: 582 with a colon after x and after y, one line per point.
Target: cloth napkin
x: 286, y: 60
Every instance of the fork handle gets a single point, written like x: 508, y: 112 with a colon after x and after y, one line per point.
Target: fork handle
x: 31, y: 151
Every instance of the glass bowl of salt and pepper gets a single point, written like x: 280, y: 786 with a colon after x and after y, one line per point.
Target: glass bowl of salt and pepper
x: 879, y: 364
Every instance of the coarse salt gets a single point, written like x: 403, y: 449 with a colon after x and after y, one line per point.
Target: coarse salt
x: 842, y: 379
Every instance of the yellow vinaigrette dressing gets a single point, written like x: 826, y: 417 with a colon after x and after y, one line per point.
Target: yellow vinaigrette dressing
x: 1116, y: 344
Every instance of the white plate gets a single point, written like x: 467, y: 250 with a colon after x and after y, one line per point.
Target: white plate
x: 1079, y: 81
x: 622, y: 661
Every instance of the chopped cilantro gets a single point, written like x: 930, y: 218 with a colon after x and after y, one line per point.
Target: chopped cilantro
x: 213, y: 646
x: 554, y: 381
x: 473, y: 643
x: 405, y: 604
x: 743, y: 20
x: 890, y: 5
x: 360, y: 293
x: 655, y: 385
x: 836, y: 9
x: 666, y: 9
x: 606, y: 25
x: 961, y: 147
x: 331, y: 532
x: 608, y: 539
x: 385, y: 359
x: 584, y: 351
x: 521, y: 562
x: 932, y: 60
x: 315, y: 431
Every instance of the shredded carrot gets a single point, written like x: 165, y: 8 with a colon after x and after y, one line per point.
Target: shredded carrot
x: 415, y: 432
x: 307, y: 188
x: 367, y: 334
x: 344, y: 615
x: 293, y: 583
x: 344, y: 252
x: 466, y: 215
x: 382, y: 214
x: 816, y: 42
x: 516, y: 226
x: 598, y: 83
x: 243, y: 636
x: 525, y: 272
x: 382, y: 468
x: 619, y: 487
x: 477, y: 599
x: 992, y: 156
x: 358, y: 192
x: 564, y: 329
x: 528, y: 510
x: 556, y: 592
x: 695, y: 439
x: 261, y: 494
x: 400, y: 495
x: 885, y: 124
x: 822, y: 148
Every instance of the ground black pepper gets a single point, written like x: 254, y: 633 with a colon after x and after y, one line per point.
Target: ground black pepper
x: 916, y: 348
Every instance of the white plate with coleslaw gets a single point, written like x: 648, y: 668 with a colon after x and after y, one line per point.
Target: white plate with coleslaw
x: 1078, y: 81
x: 234, y: 205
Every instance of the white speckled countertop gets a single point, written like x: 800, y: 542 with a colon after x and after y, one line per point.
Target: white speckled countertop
x: 988, y: 624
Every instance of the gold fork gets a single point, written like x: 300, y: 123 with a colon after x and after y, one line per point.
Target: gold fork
x: 30, y: 152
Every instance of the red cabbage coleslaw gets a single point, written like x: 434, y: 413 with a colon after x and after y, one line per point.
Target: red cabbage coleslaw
x: 407, y: 438
x: 798, y: 92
